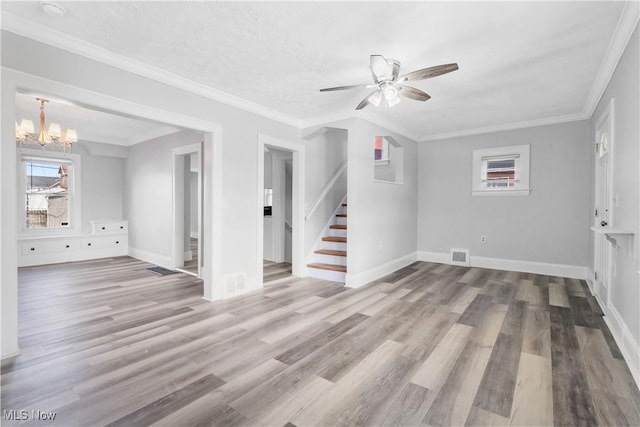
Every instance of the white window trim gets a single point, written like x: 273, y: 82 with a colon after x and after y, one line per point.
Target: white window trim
x: 75, y: 192
x: 521, y: 151
x: 385, y: 152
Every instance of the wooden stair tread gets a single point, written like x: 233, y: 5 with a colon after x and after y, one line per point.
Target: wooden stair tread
x: 338, y: 227
x: 334, y: 239
x: 331, y: 252
x: 341, y: 215
x: 331, y: 267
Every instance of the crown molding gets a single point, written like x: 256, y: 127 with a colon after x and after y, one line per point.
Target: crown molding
x: 34, y: 31
x: 326, y: 119
x: 370, y: 117
x: 153, y: 134
x: 624, y: 29
x: 621, y: 36
x: 507, y: 126
x: 382, y: 122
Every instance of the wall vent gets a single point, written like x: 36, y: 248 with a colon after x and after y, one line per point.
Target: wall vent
x: 459, y: 257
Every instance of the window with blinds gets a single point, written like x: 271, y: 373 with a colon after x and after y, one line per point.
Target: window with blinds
x: 501, y: 171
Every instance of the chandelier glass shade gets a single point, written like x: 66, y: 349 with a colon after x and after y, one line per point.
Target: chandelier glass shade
x: 25, y: 132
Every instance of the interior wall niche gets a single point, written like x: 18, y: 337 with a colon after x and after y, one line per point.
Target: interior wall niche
x: 388, y: 160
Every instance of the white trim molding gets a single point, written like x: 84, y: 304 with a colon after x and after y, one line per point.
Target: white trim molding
x: 626, y: 343
x: 548, y: 269
x: 52, y: 37
x: 46, y: 35
x: 568, y: 118
x: 298, y: 150
x: 518, y: 153
x: 152, y: 258
x: 621, y: 37
x: 355, y: 280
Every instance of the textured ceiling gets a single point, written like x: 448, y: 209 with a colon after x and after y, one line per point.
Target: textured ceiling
x: 519, y: 61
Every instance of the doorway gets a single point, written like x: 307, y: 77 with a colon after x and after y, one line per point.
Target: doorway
x: 603, y: 206
x: 280, y: 221
x: 277, y: 230
x: 187, y: 209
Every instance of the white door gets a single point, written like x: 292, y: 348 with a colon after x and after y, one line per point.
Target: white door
x: 602, y: 246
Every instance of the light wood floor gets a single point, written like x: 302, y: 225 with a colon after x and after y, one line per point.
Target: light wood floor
x: 192, y: 264
x: 108, y: 343
x: 275, y: 272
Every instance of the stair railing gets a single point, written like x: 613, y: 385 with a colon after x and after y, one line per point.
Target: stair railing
x: 327, y: 188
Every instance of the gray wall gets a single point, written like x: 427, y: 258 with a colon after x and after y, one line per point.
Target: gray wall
x: 624, y: 88
x: 549, y: 226
x: 325, y: 153
x: 103, y: 169
x: 148, y: 196
x: 382, y: 216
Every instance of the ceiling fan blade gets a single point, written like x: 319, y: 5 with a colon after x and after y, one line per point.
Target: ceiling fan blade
x: 394, y: 68
x: 329, y: 89
x: 427, y: 73
x: 373, y: 98
x: 413, y: 93
x: 379, y: 68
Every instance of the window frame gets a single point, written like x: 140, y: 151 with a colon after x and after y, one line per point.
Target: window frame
x: 384, y: 151
x: 521, y: 155
x: 74, y: 192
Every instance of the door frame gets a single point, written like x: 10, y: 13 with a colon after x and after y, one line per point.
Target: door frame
x: 177, y: 199
x: 297, y: 149
x: 601, y: 243
x: 12, y: 81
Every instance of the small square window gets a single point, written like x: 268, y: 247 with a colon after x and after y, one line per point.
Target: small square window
x: 380, y: 150
x: 501, y: 171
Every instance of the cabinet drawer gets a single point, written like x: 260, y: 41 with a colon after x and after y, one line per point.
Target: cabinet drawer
x: 102, y: 242
x: 109, y: 227
x: 40, y: 247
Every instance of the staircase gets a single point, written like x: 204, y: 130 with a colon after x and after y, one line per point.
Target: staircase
x: 330, y: 260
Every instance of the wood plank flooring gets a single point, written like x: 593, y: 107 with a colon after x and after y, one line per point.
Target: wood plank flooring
x: 107, y: 343
x: 273, y: 272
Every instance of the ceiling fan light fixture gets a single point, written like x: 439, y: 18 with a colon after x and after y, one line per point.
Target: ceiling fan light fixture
x: 390, y: 92
x: 385, y: 77
x: 376, y: 98
x: 393, y: 101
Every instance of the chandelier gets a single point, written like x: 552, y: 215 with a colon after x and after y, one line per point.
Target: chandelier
x: 25, y: 133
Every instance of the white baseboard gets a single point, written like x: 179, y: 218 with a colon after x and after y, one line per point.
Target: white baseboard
x: 439, y: 257
x: 627, y: 344
x: 150, y: 257
x: 193, y: 235
x: 10, y: 355
x: 559, y: 270
x: 355, y: 280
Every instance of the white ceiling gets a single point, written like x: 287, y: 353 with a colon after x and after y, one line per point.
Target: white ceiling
x: 91, y: 124
x: 520, y: 62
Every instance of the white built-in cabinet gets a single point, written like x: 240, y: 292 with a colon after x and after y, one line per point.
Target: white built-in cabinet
x: 108, y: 238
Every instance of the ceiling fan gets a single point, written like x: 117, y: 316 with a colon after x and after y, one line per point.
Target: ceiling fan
x: 385, y: 76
